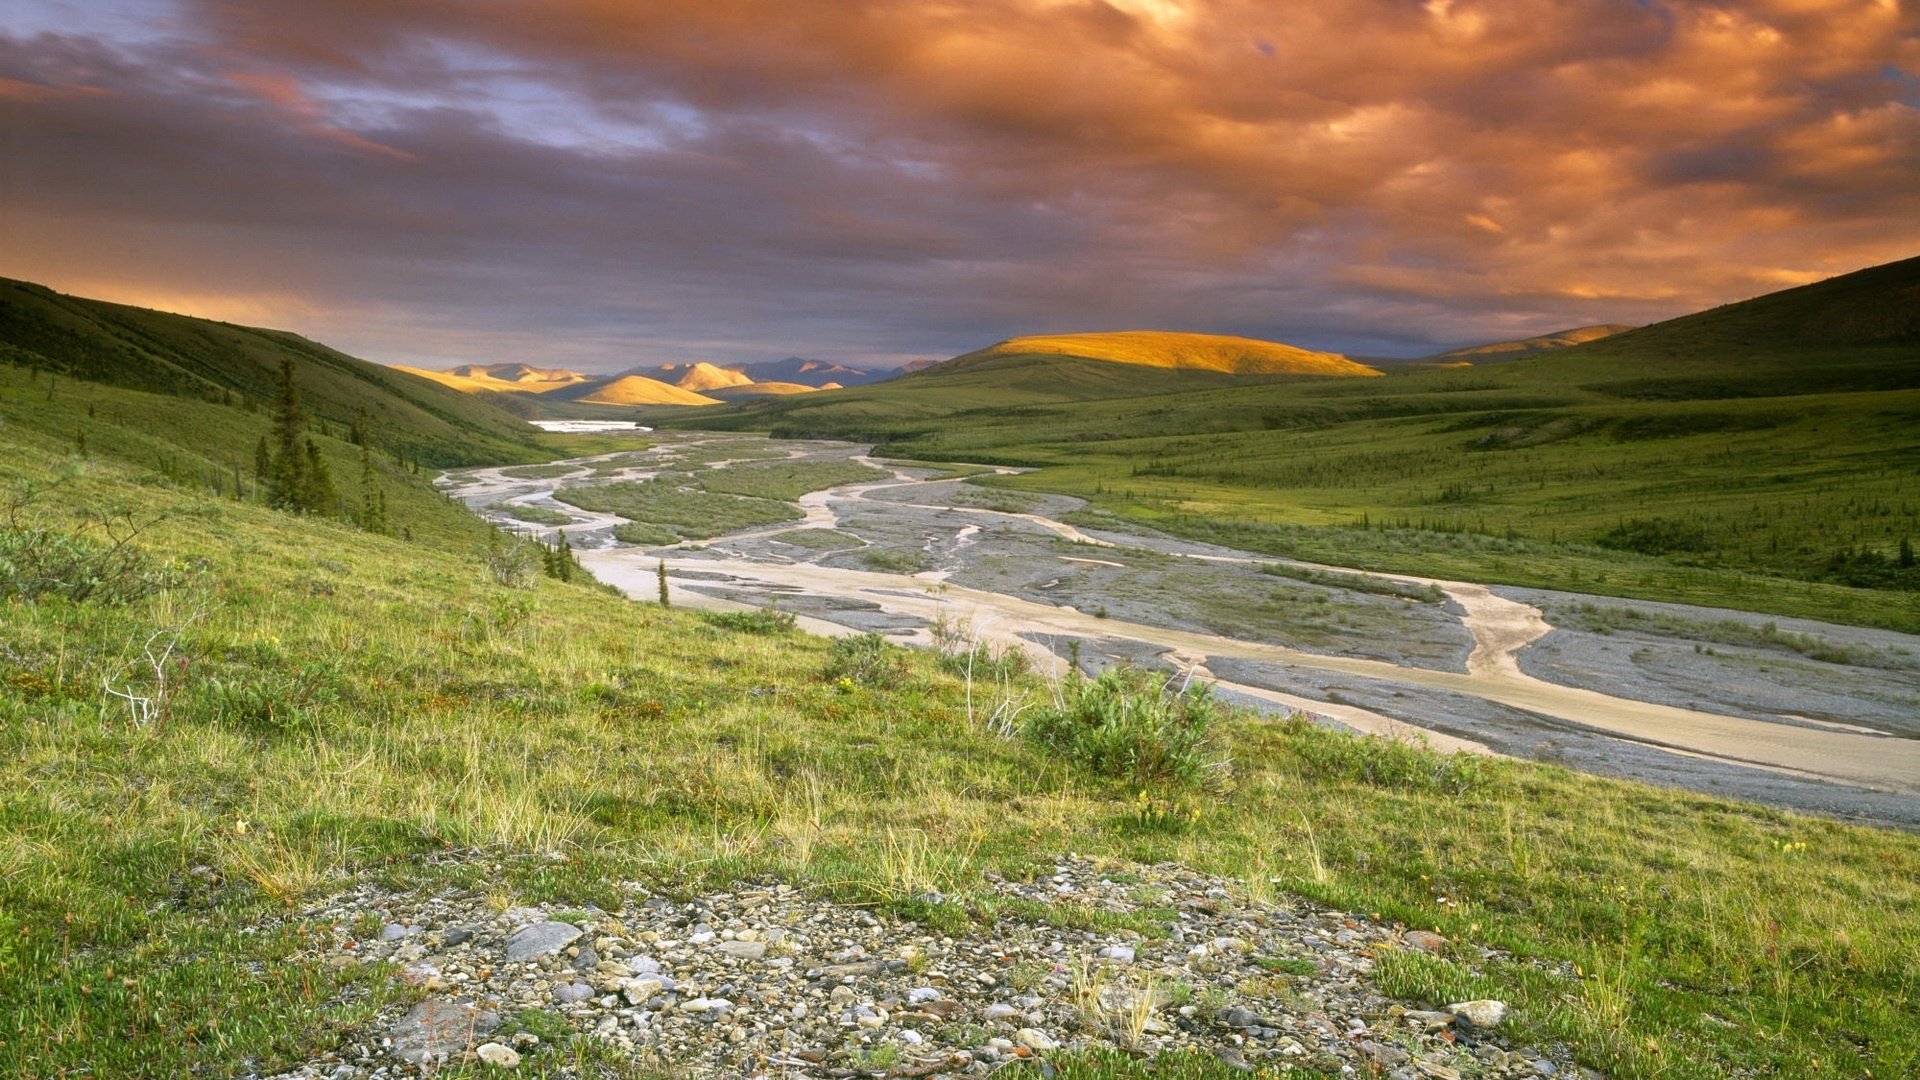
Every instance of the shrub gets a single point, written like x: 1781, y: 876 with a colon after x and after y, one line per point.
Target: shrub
x: 868, y: 659
x: 762, y: 621
x: 1135, y: 725
x: 1380, y: 761
x: 511, y: 562
x: 36, y: 562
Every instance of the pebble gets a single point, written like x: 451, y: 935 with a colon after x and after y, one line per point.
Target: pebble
x: 498, y: 1056
x: 540, y: 939
x: 1424, y: 941
x: 437, y: 1028
x: 1480, y: 1014
x: 789, y: 983
x: 1034, y: 1039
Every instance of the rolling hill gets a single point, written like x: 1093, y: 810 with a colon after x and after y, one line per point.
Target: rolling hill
x: 500, y: 378
x: 820, y: 374
x: 1031, y: 372
x: 1758, y: 455
x: 632, y: 390
x: 766, y: 389
x: 184, y: 356
x: 699, y: 376
x: 1187, y: 352
x: 1497, y: 351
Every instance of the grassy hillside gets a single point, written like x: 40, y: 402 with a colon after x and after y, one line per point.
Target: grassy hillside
x: 953, y: 395
x: 1192, y: 352
x: 175, y: 354
x: 1744, y: 457
x: 348, y: 708
x: 631, y: 390
x: 1513, y: 350
x: 517, y: 379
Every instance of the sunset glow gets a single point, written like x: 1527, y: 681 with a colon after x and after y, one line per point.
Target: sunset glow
x: 599, y: 184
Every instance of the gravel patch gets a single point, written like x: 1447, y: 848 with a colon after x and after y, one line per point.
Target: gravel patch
x: 766, y: 979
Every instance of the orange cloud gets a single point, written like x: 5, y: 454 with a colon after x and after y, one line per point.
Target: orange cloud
x: 1365, y: 170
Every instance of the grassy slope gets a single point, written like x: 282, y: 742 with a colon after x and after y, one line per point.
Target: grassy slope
x: 1754, y: 442
x: 350, y: 702
x: 176, y: 354
x: 1198, y: 352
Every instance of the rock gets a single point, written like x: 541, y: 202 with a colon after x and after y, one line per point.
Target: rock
x: 1120, y: 953
x: 745, y: 950
x: 395, y: 931
x: 1387, y: 1056
x: 855, y: 968
x: 706, y: 1005
x: 920, y: 995
x: 500, y: 1057
x: 1238, y: 1017
x: 587, y: 960
x: 1000, y: 1010
x: 1484, y: 1014
x: 439, y: 1027
x: 639, y: 991
x: 539, y: 940
x: 1232, y: 1059
x: 568, y: 993
x: 456, y: 935
x: 1034, y: 1039
x: 1424, y: 941
x: 1430, y: 1020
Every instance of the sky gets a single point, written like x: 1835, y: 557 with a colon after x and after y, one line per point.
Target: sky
x: 599, y: 184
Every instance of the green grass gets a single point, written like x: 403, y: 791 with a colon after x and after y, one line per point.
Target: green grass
x: 359, y: 701
x: 645, y: 535
x: 1760, y: 456
x: 536, y: 515
x: 819, y: 539
x: 223, y: 363
x: 693, y: 514
x: 539, y: 472
x: 787, y: 480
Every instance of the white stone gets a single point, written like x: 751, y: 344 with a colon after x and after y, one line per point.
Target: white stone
x: 1481, y: 1014
x: 498, y: 1056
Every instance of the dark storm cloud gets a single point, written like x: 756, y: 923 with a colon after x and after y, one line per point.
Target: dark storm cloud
x: 597, y: 183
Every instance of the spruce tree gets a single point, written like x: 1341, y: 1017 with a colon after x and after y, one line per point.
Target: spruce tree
x: 565, y: 560
x: 288, y: 485
x: 373, y: 501
x: 317, y: 494
x: 665, y: 601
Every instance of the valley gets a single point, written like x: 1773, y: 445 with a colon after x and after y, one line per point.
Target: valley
x: 1811, y: 716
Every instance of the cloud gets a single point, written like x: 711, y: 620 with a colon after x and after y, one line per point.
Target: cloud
x: 598, y: 183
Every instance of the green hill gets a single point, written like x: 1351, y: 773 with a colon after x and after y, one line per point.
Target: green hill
x: 352, y: 725
x: 188, y: 357
x: 1189, y: 352
x: 1500, y: 351
x: 1757, y: 456
x: 978, y: 384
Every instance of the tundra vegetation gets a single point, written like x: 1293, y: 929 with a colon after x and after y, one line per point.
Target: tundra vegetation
x: 213, y: 712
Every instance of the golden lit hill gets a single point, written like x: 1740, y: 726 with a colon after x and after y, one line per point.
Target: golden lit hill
x: 698, y: 377
x: 764, y: 389
x: 500, y: 378
x: 633, y: 390
x: 1190, y: 352
x: 1514, y: 350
